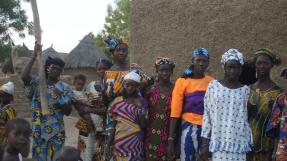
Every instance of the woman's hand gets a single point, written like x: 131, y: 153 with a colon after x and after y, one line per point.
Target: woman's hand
x: 171, y: 150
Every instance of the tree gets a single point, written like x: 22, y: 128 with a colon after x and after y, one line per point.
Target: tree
x: 117, y: 24
x: 12, y: 18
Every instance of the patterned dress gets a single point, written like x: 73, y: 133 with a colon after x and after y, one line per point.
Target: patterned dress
x: 158, y: 125
x: 259, y: 112
x: 278, y: 122
x: 225, y: 122
x: 7, y: 113
x: 128, y: 140
x: 48, y: 131
x: 188, y: 104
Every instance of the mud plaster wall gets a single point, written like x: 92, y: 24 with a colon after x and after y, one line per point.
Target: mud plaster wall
x: 175, y: 27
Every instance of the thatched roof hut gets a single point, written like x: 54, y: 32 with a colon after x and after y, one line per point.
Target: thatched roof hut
x: 85, y: 54
x: 50, y: 52
x: 83, y: 58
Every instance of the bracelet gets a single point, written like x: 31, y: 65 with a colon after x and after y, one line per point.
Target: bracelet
x: 170, y: 138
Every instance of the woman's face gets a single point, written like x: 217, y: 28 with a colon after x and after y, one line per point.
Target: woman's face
x: 232, y: 70
x: 200, y: 64
x: 121, y: 52
x: 164, y: 72
x: 130, y: 87
x: 263, y: 65
x: 101, y: 69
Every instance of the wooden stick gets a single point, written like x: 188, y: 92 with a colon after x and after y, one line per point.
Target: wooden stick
x: 42, y: 76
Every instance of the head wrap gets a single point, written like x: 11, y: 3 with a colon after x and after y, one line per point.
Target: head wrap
x: 133, y: 75
x: 232, y: 54
x: 55, y: 61
x: 284, y: 73
x: 200, y: 51
x: 113, y: 43
x: 164, y: 61
x: 274, y: 59
x: 8, y: 88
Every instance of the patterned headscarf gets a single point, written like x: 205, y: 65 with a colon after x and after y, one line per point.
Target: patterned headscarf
x: 232, y: 54
x: 164, y: 61
x: 284, y: 73
x: 274, y: 59
x: 113, y: 43
x: 133, y: 75
x: 200, y: 51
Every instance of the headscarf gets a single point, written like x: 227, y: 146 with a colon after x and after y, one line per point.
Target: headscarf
x: 8, y: 88
x: 200, y: 51
x: 284, y: 73
x: 232, y: 54
x: 164, y: 61
x: 56, y: 61
x: 133, y: 75
x: 274, y: 58
x: 113, y: 43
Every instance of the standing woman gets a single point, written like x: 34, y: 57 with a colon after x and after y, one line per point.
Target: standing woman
x: 114, y: 76
x: 127, y: 119
x: 277, y: 126
x: 225, y: 120
x: 263, y: 94
x: 159, y: 99
x: 187, y: 107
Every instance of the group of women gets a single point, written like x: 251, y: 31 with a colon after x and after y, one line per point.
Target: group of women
x: 198, y: 118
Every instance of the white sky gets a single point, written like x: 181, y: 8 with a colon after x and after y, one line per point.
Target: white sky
x: 65, y: 22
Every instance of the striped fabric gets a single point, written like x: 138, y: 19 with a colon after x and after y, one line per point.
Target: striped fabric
x: 128, y: 141
x: 190, y: 141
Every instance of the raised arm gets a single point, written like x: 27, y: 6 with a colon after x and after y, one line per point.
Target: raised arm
x: 26, y: 74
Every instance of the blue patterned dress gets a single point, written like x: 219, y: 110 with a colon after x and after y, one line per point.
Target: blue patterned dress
x: 48, y: 131
x: 225, y: 122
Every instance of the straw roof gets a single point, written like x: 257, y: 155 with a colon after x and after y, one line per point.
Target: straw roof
x: 85, y: 54
x: 23, y: 51
x: 49, y: 52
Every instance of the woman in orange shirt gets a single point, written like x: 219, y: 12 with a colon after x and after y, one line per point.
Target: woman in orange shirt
x: 187, y: 106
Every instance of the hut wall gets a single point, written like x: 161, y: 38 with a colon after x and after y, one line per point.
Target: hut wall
x: 176, y: 27
x: 89, y: 73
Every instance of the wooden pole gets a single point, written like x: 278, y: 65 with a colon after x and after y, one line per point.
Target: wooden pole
x: 42, y: 76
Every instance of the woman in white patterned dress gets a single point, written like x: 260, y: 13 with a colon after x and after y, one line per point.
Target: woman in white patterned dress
x: 225, y: 123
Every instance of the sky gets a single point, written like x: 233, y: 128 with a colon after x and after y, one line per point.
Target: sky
x: 65, y: 22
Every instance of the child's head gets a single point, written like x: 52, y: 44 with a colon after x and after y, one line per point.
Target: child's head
x: 6, y: 93
x: 79, y: 82
x: 164, y: 68
x: 69, y: 154
x: 18, y: 131
x: 102, y: 66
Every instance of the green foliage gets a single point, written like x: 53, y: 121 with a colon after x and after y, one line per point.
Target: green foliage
x: 12, y: 18
x: 116, y: 25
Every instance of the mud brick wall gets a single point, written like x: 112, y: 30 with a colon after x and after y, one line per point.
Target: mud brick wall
x: 176, y: 27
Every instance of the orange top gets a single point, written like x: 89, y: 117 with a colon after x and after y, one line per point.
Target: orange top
x: 185, y: 86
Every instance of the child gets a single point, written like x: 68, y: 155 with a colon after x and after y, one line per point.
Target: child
x: 127, y: 115
x: 18, y: 132
x: 69, y: 154
x: 7, y: 112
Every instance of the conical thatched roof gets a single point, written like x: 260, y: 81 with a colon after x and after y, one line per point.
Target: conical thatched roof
x: 49, y: 52
x: 23, y: 51
x: 85, y: 54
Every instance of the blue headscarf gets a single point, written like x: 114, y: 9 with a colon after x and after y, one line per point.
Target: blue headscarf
x: 200, y: 51
x: 113, y: 43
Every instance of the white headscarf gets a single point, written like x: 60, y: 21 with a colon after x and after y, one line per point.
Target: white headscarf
x: 133, y: 76
x: 232, y: 54
x: 8, y: 88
